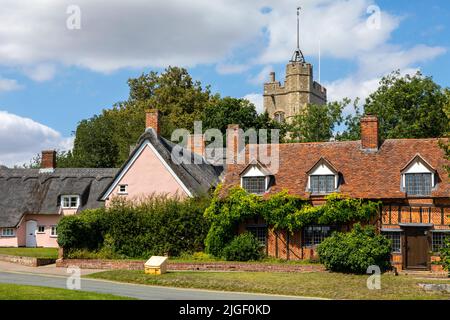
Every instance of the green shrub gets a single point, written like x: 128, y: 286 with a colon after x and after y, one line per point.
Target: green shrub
x: 244, y: 247
x: 282, y: 211
x: 155, y: 226
x: 355, y: 251
x: 445, y: 254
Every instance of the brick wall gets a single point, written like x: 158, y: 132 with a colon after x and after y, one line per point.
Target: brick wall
x: 182, y: 266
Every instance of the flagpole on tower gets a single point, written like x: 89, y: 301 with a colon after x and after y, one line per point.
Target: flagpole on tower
x: 298, y: 54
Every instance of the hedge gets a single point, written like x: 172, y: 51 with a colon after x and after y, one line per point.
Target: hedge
x: 156, y: 226
x: 355, y: 251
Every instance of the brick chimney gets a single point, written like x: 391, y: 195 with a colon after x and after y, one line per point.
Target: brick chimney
x: 232, y: 143
x: 369, y: 133
x: 196, y: 144
x: 152, y: 120
x: 48, y: 161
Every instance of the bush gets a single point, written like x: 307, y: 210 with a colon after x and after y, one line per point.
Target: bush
x: 355, y: 251
x: 155, y: 226
x: 244, y: 247
x: 445, y: 254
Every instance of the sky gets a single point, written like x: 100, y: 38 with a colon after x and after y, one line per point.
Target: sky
x: 64, y: 61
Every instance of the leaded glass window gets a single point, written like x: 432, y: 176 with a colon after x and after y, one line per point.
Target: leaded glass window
x: 418, y: 183
x: 260, y: 233
x: 322, y: 183
x: 314, y: 235
x: 438, y: 241
x: 395, y: 241
x: 256, y: 185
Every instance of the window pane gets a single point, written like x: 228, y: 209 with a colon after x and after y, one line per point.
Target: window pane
x: 322, y: 184
x: 66, y: 202
x: 260, y: 233
x: 73, y: 202
x: 395, y: 241
x: 255, y: 185
x: 438, y: 241
x: 418, y: 183
x: 314, y: 235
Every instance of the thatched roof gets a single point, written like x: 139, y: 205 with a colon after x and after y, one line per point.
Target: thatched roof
x: 198, y: 176
x: 27, y: 191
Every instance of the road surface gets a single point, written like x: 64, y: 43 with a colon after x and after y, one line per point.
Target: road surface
x: 133, y: 290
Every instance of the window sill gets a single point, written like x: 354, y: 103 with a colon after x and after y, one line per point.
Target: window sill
x: 40, y: 232
x: 122, y: 193
x: 8, y: 236
x: 53, y: 236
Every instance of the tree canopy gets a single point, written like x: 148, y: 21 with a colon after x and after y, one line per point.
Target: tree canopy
x: 105, y: 139
x: 410, y: 106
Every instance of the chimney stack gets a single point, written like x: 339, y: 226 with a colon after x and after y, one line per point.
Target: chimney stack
x: 196, y: 144
x: 152, y: 120
x: 272, y: 77
x: 369, y: 132
x: 48, y: 161
x: 232, y: 143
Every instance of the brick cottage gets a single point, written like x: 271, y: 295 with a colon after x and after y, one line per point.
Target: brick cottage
x: 406, y: 175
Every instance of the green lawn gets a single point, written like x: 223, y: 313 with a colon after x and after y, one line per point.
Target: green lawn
x: 313, y: 284
x: 51, y: 253
x: 21, y: 292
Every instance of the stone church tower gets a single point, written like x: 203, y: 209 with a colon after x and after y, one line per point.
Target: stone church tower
x: 284, y: 101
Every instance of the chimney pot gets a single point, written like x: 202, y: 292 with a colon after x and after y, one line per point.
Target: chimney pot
x: 196, y: 144
x: 369, y: 132
x: 152, y: 120
x: 48, y: 160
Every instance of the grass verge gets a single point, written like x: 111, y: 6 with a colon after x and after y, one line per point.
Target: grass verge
x: 313, y: 284
x: 23, y: 292
x: 48, y: 253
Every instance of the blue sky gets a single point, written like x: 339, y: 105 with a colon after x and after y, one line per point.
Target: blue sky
x: 51, y: 77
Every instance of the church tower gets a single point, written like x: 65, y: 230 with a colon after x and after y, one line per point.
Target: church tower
x: 299, y: 89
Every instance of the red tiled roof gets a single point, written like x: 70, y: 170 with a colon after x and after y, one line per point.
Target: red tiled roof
x: 373, y: 175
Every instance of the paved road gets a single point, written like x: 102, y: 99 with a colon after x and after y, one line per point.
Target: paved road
x: 132, y: 290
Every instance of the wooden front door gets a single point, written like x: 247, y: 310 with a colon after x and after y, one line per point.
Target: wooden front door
x: 417, y: 248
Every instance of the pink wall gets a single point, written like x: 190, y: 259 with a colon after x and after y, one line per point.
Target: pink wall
x: 44, y: 239
x: 8, y: 241
x: 146, y: 176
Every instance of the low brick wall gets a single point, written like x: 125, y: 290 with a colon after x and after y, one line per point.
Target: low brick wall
x: 188, y: 266
x: 26, y: 261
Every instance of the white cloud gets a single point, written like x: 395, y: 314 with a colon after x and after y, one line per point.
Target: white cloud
x: 23, y: 138
x: 134, y: 33
x: 9, y: 85
x: 262, y: 76
x: 222, y: 68
x: 257, y: 100
x: 41, y: 72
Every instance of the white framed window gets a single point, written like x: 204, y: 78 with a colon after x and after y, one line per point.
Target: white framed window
x: 322, y: 178
x: 255, y: 180
x: 41, y: 229
x: 123, y: 189
x: 8, y: 232
x: 70, y: 202
x: 53, y: 232
x: 418, y: 177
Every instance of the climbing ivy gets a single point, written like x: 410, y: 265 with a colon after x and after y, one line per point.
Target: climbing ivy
x: 281, y: 211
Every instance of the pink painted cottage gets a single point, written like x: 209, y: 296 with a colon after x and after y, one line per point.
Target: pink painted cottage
x: 32, y: 201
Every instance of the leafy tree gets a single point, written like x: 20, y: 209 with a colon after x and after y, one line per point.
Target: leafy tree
x: 317, y: 122
x: 407, y: 107
x: 104, y: 140
x: 229, y: 110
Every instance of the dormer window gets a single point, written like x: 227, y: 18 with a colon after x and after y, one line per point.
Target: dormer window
x: 255, y: 178
x: 323, y: 178
x: 70, y: 202
x: 418, y: 177
x: 256, y: 185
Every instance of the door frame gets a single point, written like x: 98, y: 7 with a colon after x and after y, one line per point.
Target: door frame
x: 426, y: 230
x: 27, y: 223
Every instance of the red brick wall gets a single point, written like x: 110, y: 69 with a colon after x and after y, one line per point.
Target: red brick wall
x: 369, y: 132
x: 48, y: 160
x: 152, y: 120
